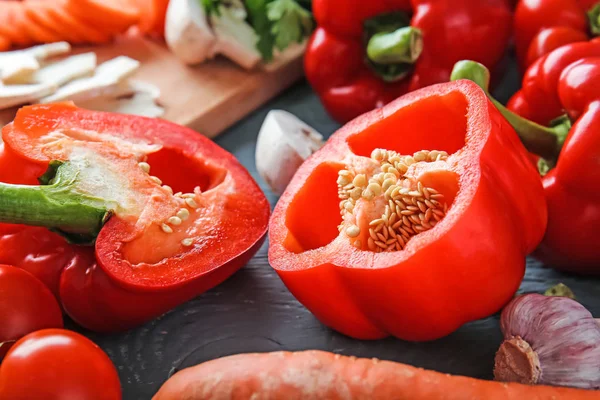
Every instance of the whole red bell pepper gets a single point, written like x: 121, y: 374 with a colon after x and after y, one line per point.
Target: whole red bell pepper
x: 364, y: 54
x: 426, y: 229
x: 564, y: 81
x: 544, y: 25
x: 153, y: 249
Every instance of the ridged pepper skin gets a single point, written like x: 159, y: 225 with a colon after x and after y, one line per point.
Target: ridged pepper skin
x: 335, y: 64
x: 466, y: 267
x: 99, y: 286
x: 567, y: 80
x: 544, y: 25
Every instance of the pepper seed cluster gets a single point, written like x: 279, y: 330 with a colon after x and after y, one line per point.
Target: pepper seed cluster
x: 412, y: 208
x: 183, y: 213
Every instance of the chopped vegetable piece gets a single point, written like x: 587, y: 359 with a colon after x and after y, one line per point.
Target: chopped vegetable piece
x: 398, y: 228
x: 112, y: 16
x: 171, y: 235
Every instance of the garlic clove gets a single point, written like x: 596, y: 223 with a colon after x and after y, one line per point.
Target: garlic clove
x: 283, y: 143
x: 549, y: 340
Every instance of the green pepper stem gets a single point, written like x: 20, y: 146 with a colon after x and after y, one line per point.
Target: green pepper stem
x: 404, y: 45
x: 594, y: 19
x: 543, y: 141
x: 58, y: 206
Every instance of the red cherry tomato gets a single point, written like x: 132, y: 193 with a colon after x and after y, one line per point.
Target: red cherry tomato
x: 26, y: 305
x: 56, y: 364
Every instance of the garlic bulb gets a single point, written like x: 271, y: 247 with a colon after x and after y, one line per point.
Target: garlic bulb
x: 283, y: 144
x: 549, y: 340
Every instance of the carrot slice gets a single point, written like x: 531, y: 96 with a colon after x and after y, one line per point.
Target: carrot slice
x: 89, y: 34
x: 152, y: 15
x: 39, y: 12
x: 146, y: 11
x: 4, y: 43
x: 160, y: 14
x: 112, y: 16
x: 12, y: 18
x: 35, y: 30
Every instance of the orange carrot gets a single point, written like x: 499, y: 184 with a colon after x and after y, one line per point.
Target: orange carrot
x: 111, y: 16
x: 322, y: 375
x: 39, y: 13
x: 152, y: 15
x: 38, y: 32
x: 160, y: 13
x: 63, y: 17
x: 12, y: 20
x: 4, y: 43
x: 146, y: 11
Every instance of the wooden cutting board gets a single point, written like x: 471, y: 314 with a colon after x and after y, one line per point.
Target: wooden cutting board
x: 209, y: 97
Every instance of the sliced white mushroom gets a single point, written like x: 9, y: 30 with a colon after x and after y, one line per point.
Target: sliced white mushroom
x: 236, y: 39
x: 140, y: 103
x: 187, y: 32
x: 283, y: 144
x: 40, y: 52
x: 19, y: 70
x: 17, y: 67
x: 131, y: 86
x: 104, y: 82
x: 66, y: 70
x: 16, y: 95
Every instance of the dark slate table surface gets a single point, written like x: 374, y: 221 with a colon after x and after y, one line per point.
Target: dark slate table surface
x: 253, y: 311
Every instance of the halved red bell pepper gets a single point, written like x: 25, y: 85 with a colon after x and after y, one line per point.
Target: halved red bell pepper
x: 416, y: 249
x: 565, y: 81
x: 365, y: 54
x: 544, y: 25
x: 154, y: 249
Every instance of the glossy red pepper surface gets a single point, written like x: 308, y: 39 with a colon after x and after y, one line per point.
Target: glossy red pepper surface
x: 125, y: 279
x: 567, y: 80
x: 465, y: 268
x: 452, y: 30
x: 544, y: 25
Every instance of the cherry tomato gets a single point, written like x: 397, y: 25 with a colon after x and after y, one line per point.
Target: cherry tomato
x: 57, y: 364
x: 26, y: 305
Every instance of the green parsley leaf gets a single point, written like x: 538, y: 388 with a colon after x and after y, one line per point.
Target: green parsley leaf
x: 211, y: 7
x: 257, y: 16
x: 290, y: 22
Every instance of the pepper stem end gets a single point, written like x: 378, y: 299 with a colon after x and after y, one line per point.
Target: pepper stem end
x: 594, y: 19
x: 404, y: 45
x: 543, y: 141
x: 58, y: 204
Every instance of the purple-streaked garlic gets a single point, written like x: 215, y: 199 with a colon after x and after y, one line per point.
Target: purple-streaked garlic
x: 283, y: 143
x: 549, y: 340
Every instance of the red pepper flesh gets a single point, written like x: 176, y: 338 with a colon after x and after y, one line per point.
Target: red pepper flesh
x: 465, y: 268
x: 335, y: 57
x: 544, y: 25
x: 126, y: 279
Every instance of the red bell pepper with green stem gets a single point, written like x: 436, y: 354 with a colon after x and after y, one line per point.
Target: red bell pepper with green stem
x: 544, y: 25
x: 365, y: 54
x: 411, y: 232
x: 152, y: 249
x: 569, y: 153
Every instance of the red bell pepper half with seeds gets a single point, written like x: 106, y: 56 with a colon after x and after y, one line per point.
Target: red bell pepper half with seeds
x: 153, y: 249
x: 413, y: 219
x: 557, y: 116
